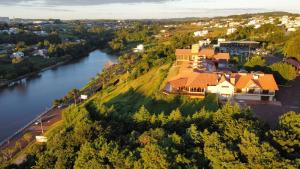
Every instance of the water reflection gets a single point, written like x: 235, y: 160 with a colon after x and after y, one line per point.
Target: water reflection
x: 20, y: 103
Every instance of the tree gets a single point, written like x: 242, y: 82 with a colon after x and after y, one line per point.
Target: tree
x: 75, y: 93
x: 217, y: 152
x: 142, y: 115
x: 283, y: 72
x: 255, y: 63
x: 27, y: 137
x: 287, y: 135
x: 175, y: 115
x: 292, y: 46
x: 153, y: 156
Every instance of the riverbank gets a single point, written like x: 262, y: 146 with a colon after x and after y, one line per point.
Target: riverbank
x: 20, y: 78
x: 6, y: 83
x: 26, y: 135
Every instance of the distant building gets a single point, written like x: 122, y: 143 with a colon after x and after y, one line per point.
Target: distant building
x: 40, y: 33
x: 252, y: 22
x: 41, y: 52
x: 4, y: 20
x: 297, y: 22
x: 17, y: 55
x: 139, y: 48
x: 241, y: 48
x: 200, y: 33
x: 291, y: 29
x: 256, y: 26
x: 285, y: 20
x: 204, y: 43
x: 231, y: 31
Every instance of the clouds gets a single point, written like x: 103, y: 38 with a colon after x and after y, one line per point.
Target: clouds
x: 75, y: 2
x: 139, y: 9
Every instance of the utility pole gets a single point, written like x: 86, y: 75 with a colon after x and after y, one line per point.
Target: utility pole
x: 42, y: 125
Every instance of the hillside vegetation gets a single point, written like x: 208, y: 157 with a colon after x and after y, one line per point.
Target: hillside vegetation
x: 134, y: 125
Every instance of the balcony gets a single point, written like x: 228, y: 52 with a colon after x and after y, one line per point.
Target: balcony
x: 255, y: 93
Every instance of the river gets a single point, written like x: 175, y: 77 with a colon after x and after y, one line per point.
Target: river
x: 23, y: 102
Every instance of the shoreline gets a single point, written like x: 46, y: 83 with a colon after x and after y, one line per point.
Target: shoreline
x: 8, y: 82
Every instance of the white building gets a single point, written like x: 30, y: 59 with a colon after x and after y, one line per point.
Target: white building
x: 257, y: 26
x: 41, y: 52
x: 40, y: 33
x: 297, y: 22
x: 231, y: 31
x: 200, y: 33
x: 139, y: 48
x: 252, y: 22
x: 224, y: 88
x: 220, y: 40
x: 205, y: 42
x: 284, y: 20
x: 17, y: 55
x: 291, y: 29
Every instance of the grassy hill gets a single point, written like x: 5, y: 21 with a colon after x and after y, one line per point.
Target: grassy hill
x: 146, y: 90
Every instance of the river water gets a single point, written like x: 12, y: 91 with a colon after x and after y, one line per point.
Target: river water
x: 23, y: 102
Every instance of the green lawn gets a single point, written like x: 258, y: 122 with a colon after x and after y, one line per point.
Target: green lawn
x: 128, y: 97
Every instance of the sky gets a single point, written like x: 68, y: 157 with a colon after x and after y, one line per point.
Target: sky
x: 139, y: 9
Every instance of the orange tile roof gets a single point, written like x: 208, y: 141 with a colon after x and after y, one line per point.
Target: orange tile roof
x: 181, y: 82
x: 265, y: 82
x: 207, y: 52
x: 194, y: 80
x: 186, y: 52
x: 220, y: 56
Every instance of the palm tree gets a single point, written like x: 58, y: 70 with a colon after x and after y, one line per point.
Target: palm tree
x: 75, y: 93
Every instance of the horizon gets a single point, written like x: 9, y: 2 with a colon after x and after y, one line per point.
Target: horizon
x: 139, y: 9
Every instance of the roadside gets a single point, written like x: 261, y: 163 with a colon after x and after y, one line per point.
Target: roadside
x: 19, y: 141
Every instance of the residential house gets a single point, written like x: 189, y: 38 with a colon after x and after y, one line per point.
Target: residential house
x: 239, y: 86
x: 41, y: 52
x: 200, y: 33
x: 255, y: 86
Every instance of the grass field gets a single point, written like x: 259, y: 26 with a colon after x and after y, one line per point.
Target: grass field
x: 128, y: 97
